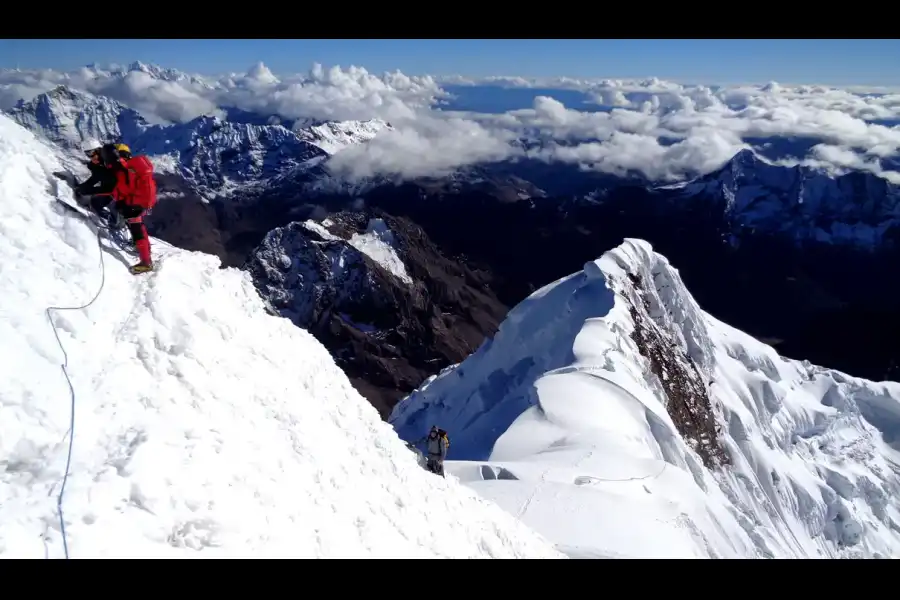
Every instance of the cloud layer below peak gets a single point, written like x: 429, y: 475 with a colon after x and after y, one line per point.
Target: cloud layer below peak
x: 661, y: 130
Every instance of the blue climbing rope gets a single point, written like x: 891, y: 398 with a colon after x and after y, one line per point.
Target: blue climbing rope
x: 64, y: 365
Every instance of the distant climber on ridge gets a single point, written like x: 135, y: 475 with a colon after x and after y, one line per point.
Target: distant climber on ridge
x: 437, y: 444
x: 134, y: 194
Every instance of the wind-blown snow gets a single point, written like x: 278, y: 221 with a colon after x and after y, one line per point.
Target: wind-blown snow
x: 203, y: 426
x: 378, y: 244
x: 560, y: 420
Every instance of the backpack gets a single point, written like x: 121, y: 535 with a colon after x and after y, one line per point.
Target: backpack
x: 141, y: 182
x: 443, y: 434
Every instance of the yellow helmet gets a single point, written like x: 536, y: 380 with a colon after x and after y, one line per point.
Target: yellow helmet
x: 123, y: 149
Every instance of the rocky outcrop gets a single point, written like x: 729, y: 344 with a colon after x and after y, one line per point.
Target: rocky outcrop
x: 686, y: 392
x: 379, y: 295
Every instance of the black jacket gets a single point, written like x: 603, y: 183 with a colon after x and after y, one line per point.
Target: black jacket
x: 99, y: 174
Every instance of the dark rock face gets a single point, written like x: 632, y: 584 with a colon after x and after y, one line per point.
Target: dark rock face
x: 183, y: 219
x: 687, y: 395
x: 388, y: 331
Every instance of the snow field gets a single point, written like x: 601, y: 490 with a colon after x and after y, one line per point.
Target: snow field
x: 378, y: 244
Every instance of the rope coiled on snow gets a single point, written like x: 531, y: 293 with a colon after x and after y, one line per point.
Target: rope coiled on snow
x: 64, y: 366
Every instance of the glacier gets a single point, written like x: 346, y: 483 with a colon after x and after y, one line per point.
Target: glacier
x: 203, y: 426
x: 620, y: 420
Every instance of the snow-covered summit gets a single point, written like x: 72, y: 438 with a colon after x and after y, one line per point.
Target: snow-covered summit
x: 154, y: 71
x: 203, y: 426
x: 307, y: 272
x: 212, y: 153
x: 616, y: 417
x: 379, y: 293
x: 857, y: 208
x: 67, y: 117
x: 334, y: 136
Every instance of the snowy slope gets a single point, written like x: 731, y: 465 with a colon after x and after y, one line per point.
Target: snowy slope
x: 617, y: 418
x: 379, y: 244
x: 203, y: 426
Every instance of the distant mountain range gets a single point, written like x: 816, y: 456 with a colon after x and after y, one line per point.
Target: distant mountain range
x: 774, y: 250
x: 215, y: 156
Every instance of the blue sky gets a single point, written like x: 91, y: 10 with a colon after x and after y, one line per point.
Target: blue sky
x: 854, y: 62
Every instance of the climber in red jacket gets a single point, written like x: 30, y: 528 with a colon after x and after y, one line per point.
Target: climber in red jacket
x: 134, y: 194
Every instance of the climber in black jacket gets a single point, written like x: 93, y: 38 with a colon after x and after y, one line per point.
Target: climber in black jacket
x: 88, y: 192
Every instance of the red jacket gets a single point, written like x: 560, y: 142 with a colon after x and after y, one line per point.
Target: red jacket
x: 128, y: 182
x: 122, y: 191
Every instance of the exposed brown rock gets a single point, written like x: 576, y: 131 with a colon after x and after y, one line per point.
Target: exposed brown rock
x: 688, y: 399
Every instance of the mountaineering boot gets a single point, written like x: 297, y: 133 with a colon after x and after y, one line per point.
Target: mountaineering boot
x: 146, y: 264
x: 141, y: 268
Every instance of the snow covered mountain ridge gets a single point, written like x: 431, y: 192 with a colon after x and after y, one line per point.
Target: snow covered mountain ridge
x: 617, y: 418
x: 235, y: 150
x: 859, y: 208
x: 154, y: 71
x: 245, y: 154
x: 212, y: 153
x: 203, y: 426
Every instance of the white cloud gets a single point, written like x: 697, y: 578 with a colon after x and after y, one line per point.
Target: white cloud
x: 837, y: 160
x: 335, y: 93
x: 623, y: 153
x: 661, y: 129
x: 425, y: 146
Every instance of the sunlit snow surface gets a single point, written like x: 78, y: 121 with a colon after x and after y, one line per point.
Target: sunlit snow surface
x: 559, y: 421
x: 203, y: 427
x: 378, y: 244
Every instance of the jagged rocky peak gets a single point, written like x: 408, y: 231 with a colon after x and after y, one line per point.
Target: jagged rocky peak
x: 337, y: 260
x: 370, y: 234
x: 214, y: 156
x: 63, y: 92
x: 157, y: 71
x: 165, y: 74
x: 214, y: 153
x: 745, y: 158
x: 859, y: 209
x: 333, y: 136
x: 63, y: 95
x: 746, y: 168
x: 378, y: 294
x: 67, y: 117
